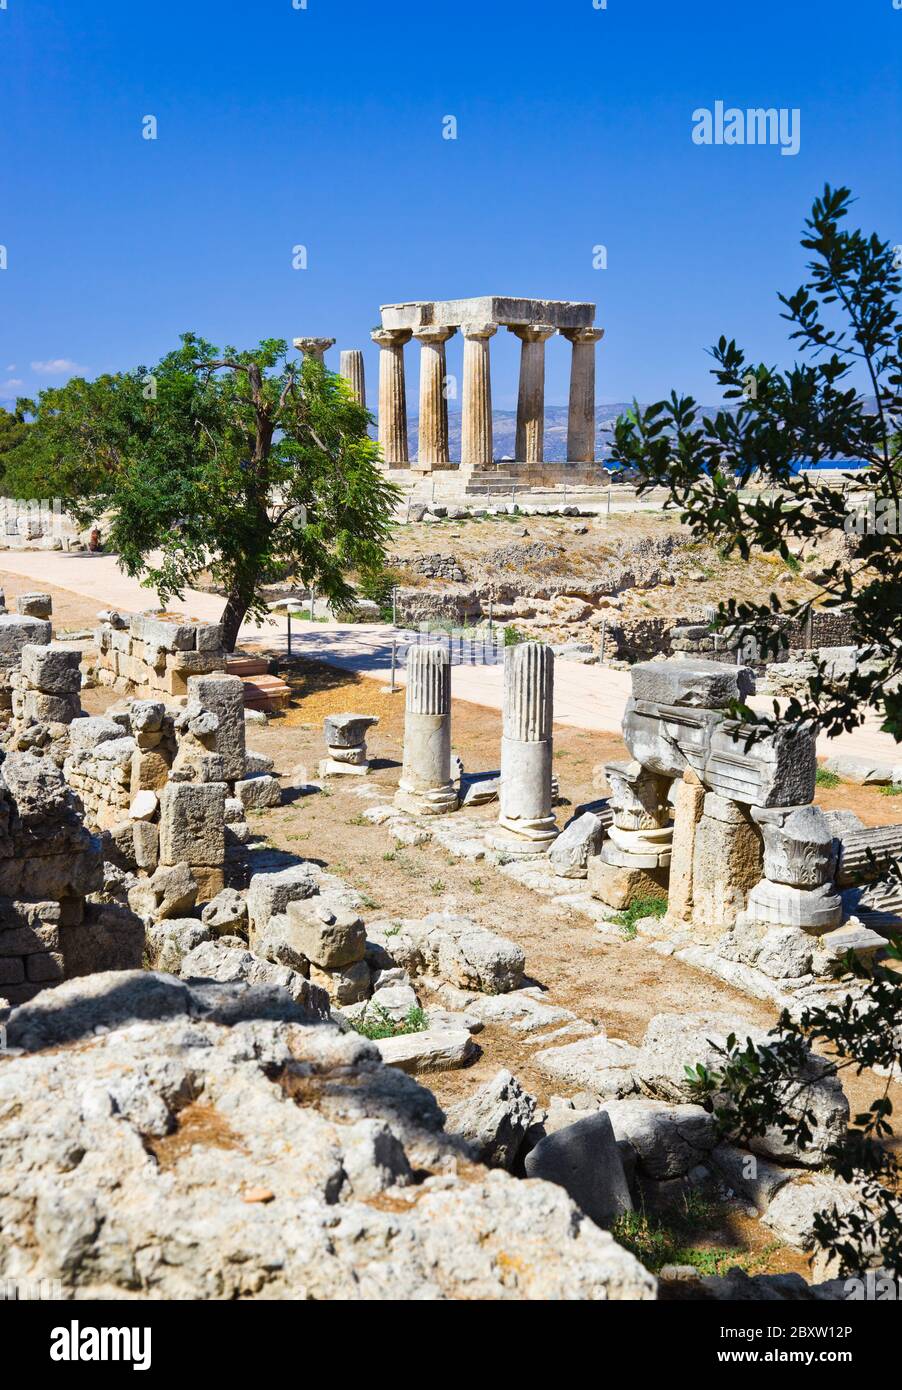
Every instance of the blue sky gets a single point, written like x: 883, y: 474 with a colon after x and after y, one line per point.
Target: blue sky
x: 323, y: 127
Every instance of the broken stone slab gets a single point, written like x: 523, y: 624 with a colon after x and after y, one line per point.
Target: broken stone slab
x: 226, y: 914
x: 34, y: 605
x: 702, y: 684
x: 17, y: 632
x: 674, y: 1042
x: 863, y: 771
x: 170, y: 941
x: 171, y: 891
x: 144, y: 806
x: 392, y: 1000
x: 776, y: 769
x: 494, y: 1120
x: 478, y: 789
x: 577, y: 843
x: 434, y: 1049
x: 226, y: 964
x: 792, y: 1210
x: 855, y: 937
x: 584, y: 1159
x: 603, y: 1067
x: 669, y: 1140
x: 92, y: 730
x: 347, y: 730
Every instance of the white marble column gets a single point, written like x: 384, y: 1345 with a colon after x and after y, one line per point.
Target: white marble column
x: 581, y: 417
x: 392, y: 395
x: 314, y: 347
x: 526, y: 823
x: 531, y: 399
x: 425, y: 785
x: 476, y: 421
x: 351, y: 368
x: 432, y: 446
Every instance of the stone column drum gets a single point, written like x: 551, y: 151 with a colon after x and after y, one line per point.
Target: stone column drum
x: 581, y: 417
x: 350, y: 366
x: 425, y: 787
x: 392, y: 395
x: 531, y: 399
x: 526, y: 823
x: 432, y: 447
x: 635, y: 857
x: 476, y: 447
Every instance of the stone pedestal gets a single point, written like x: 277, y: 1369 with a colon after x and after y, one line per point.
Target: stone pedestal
x: 635, y: 857
x: 726, y: 863
x: 351, y: 368
x: 314, y: 347
x: 581, y: 417
x: 688, y: 806
x: 432, y: 446
x: 797, y: 889
x: 392, y: 395
x: 529, y: 446
x: 476, y: 424
x: 425, y: 787
x: 345, y: 736
x: 526, y: 823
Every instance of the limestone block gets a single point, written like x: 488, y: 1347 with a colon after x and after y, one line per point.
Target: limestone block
x: 668, y: 1139
x: 669, y: 739
x: 146, y: 716
x: 144, y: 806
x: 192, y: 823
x: 601, y: 1066
x: 169, y: 637
x: 269, y: 893
x: 434, y: 1049
x: 209, y: 637
x: 54, y: 670
x: 226, y: 914
x: 51, y: 709
x: 327, y: 938
x: 585, y: 1161
x: 34, y: 605
x: 852, y: 936
x: 689, y: 801
x: 345, y: 985
x: 146, y: 840
x: 210, y: 881
x: 279, y: 942
x: 256, y: 793
x: 784, y: 953
x: 726, y: 863
x: 149, y: 771
x: 618, y: 887
x: 704, y: 684
x: 170, y: 892
x: 18, y: 632
x: 224, y: 695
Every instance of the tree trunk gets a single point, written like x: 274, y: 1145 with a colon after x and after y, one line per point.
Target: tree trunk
x: 237, y: 605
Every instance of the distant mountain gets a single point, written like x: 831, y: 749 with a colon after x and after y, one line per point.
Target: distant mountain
x: 505, y: 429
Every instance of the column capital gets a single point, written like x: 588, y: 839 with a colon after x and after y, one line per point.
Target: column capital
x: 391, y: 337
x: 433, y: 334
x: 582, y: 335
x: 532, y: 332
x: 479, y: 330
x: 315, y: 345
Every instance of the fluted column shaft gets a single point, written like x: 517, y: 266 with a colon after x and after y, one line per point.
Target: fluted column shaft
x: 351, y: 368
x: 425, y: 786
x: 581, y: 416
x: 432, y: 447
x: 526, y: 821
x: 392, y: 395
x: 476, y: 422
x: 530, y: 441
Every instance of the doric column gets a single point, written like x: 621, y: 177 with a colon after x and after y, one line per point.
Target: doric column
x: 351, y: 368
x: 476, y: 423
x: 432, y: 446
x: 581, y: 417
x: 425, y: 786
x: 531, y: 399
x: 314, y: 347
x: 526, y: 822
x: 392, y: 395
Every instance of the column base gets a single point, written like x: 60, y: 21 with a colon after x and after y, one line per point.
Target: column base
x: 330, y: 767
x: 529, y: 838
x: 436, y: 801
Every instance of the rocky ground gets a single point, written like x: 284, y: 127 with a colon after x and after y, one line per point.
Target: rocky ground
x: 603, y: 978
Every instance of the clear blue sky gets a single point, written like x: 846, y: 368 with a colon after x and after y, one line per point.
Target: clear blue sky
x: 323, y: 126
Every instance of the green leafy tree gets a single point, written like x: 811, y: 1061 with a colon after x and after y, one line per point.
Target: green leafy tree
x: 244, y: 465
x: 735, y: 479
x: 845, y: 317
x: 12, y: 432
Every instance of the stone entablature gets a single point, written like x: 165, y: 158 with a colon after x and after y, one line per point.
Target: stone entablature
x: 500, y: 309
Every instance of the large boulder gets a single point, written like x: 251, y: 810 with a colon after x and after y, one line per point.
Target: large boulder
x: 669, y: 1140
x: 494, y: 1119
x: 584, y: 1159
x: 674, y: 1042
x: 202, y: 1146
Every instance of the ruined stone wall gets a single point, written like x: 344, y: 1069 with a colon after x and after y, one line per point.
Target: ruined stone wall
x: 152, y: 655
